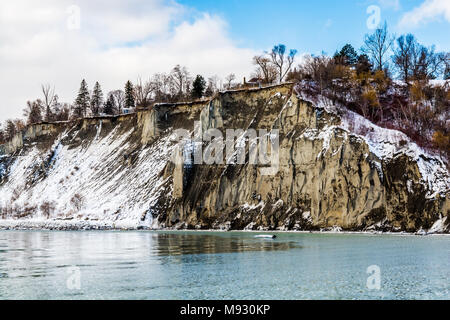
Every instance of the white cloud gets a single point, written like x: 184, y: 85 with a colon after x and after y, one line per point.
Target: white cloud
x: 117, y: 41
x: 429, y: 10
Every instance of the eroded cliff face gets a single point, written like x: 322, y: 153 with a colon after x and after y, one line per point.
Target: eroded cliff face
x: 120, y: 171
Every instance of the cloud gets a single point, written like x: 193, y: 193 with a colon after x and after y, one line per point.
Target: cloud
x: 429, y: 10
x: 116, y: 41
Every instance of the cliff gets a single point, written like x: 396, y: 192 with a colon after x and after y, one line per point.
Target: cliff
x: 334, y: 169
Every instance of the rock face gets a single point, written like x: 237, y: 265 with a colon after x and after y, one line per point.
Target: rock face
x: 326, y: 176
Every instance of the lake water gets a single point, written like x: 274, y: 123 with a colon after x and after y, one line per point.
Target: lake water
x: 183, y: 265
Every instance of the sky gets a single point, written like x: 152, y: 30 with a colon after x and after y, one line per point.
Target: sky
x: 60, y: 42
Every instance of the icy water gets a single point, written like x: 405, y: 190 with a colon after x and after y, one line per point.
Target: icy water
x: 157, y: 265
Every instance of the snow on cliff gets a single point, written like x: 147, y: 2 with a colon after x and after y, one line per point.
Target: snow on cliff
x: 90, y: 182
x: 386, y: 144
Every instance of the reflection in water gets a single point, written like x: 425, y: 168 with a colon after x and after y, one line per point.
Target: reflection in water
x: 181, y: 244
x: 188, y: 265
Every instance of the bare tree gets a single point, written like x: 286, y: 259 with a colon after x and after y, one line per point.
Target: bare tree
x: 415, y: 61
x: 265, y: 70
x: 214, y: 83
x: 377, y: 45
x: 143, y: 93
x: 282, y: 61
x: 180, y: 80
x: 403, y: 55
x: 427, y: 64
x: 49, y: 98
x: 118, y: 97
x: 229, y: 80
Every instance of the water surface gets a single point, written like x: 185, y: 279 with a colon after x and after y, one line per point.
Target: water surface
x: 183, y: 265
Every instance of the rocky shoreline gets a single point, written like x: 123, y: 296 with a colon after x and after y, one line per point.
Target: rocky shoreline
x: 70, y: 225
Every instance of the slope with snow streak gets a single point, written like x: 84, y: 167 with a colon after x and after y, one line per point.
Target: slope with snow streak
x: 96, y: 181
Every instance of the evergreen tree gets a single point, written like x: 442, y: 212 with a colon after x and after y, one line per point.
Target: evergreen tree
x: 363, y: 65
x: 10, y: 130
x: 82, y: 100
x: 129, y: 95
x: 109, y: 106
x: 347, y: 55
x: 97, y: 99
x: 198, y: 87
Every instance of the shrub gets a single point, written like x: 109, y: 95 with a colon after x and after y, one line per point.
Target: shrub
x: 47, y: 208
x: 77, y: 201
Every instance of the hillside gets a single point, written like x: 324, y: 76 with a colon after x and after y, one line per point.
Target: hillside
x: 336, y: 171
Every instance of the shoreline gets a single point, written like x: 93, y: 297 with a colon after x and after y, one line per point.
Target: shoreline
x: 77, y: 225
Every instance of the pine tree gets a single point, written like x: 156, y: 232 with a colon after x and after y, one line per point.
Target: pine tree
x: 347, y: 55
x: 109, y: 106
x: 82, y: 101
x: 129, y: 95
x: 97, y: 99
x: 198, y: 87
x: 363, y: 65
x: 10, y: 130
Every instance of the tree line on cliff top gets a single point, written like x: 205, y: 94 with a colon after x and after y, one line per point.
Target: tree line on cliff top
x: 389, y: 81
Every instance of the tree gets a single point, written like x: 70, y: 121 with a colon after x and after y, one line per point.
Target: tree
x: 347, y: 56
x: 281, y: 61
x: 214, y: 83
x: 143, y: 93
x: 377, y: 45
x: 118, y: 99
x: 265, y: 70
x: 447, y: 66
x: 198, y: 87
x: 403, y: 56
x: 180, y: 80
x: 129, y: 95
x: 49, y: 100
x: 96, y: 99
x: 33, y: 111
x: 363, y: 65
x: 2, y: 135
x: 427, y: 64
x: 10, y: 130
x: 229, y: 80
x: 82, y: 101
x: 414, y: 61
x: 61, y: 111
x: 109, y: 105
